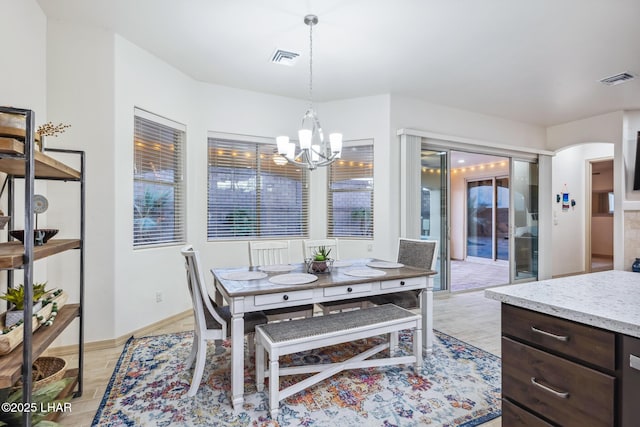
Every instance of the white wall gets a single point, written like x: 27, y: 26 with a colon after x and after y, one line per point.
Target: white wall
x: 23, y: 83
x: 23, y: 28
x: 409, y: 113
x: 568, y: 236
x: 80, y: 89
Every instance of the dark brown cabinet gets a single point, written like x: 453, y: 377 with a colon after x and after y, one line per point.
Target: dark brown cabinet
x: 556, y: 372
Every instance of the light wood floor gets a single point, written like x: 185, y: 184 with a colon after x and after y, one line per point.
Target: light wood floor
x: 468, y: 316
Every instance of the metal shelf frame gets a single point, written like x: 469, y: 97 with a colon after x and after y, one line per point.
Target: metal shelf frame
x: 29, y: 178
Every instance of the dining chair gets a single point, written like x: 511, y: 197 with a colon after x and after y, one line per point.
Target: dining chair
x: 309, y: 248
x: 211, y: 321
x: 412, y: 253
x: 270, y: 252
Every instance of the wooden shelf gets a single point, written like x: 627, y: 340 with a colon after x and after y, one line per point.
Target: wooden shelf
x: 12, y: 253
x: 45, y: 166
x: 11, y: 364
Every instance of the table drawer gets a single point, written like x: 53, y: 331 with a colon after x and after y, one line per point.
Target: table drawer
x: 582, y: 342
x: 565, y: 392
x: 400, y: 284
x: 515, y: 416
x: 348, y: 290
x: 281, y: 297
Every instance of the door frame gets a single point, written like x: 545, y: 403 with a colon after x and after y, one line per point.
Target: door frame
x: 588, y: 195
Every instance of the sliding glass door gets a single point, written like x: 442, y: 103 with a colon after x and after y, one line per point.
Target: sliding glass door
x: 433, y: 204
x: 488, y: 218
x: 524, y: 207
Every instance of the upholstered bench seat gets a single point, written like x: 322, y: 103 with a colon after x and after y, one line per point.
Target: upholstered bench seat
x: 279, y: 339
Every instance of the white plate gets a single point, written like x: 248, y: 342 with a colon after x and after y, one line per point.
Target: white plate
x: 244, y: 275
x: 384, y: 264
x: 277, y: 268
x: 339, y: 263
x: 293, y: 279
x: 364, y: 272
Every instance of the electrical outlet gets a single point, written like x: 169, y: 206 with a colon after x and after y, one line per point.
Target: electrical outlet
x: 158, y: 296
x: 370, y: 247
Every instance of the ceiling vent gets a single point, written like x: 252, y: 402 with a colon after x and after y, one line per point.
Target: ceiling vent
x: 617, y: 79
x: 284, y: 57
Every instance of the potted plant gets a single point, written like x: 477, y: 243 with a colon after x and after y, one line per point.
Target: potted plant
x: 320, y: 260
x: 15, y: 296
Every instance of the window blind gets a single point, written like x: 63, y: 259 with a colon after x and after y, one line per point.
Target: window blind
x: 250, y: 195
x: 158, y: 204
x: 350, y: 195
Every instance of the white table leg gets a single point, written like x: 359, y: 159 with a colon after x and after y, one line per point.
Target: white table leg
x: 427, y: 317
x: 237, y: 362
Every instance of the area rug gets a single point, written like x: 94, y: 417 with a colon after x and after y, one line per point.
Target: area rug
x: 458, y: 385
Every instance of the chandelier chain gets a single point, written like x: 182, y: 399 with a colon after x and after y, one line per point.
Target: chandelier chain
x: 311, y: 65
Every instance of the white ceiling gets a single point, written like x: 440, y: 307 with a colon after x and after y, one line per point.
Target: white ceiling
x: 535, y: 61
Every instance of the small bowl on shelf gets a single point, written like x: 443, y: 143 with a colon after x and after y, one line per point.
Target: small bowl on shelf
x: 3, y: 221
x: 40, y: 236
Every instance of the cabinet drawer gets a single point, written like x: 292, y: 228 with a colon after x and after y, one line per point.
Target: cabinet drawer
x: 267, y: 299
x: 565, y: 392
x: 347, y: 290
x: 400, y: 284
x: 515, y: 416
x: 582, y: 342
x: 630, y: 381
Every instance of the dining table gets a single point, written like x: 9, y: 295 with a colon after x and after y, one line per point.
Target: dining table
x: 259, y: 288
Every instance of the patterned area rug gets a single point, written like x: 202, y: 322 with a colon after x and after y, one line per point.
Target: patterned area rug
x: 458, y: 385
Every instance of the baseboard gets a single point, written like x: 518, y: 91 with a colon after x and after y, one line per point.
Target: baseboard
x: 117, y: 342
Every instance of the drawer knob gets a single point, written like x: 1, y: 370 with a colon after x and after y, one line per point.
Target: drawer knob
x: 285, y: 297
x: 549, y: 334
x: 402, y: 283
x: 349, y: 289
x: 560, y: 394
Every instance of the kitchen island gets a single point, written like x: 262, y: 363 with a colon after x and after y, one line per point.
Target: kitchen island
x: 571, y: 350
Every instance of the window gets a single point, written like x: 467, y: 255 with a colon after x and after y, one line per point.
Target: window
x: 250, y: 195
x: 350, y: 198
x: 158, y: 193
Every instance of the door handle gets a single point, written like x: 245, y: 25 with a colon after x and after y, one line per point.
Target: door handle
x: 560, y: 394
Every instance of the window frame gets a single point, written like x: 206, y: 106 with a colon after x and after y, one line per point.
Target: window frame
x: 330, y: 193
x: 177, y: 185
x: 258, y: 143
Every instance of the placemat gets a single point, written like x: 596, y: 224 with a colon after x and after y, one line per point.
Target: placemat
x: 244, y: 275
x: 385, y: 264
x: 277, y: 268
x: 364, y: 272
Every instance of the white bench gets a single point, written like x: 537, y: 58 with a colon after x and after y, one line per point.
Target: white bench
x: 279, y: 339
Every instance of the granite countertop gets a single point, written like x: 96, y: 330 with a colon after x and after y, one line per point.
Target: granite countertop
x: 608, y: 299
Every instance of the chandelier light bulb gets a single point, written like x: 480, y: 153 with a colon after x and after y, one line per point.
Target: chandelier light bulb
x: 336, y: 143
x: 305, y: 135
x: 283, y: 144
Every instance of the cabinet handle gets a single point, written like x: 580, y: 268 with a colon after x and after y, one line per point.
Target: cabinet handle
x: 285, y: 297
x: 349, y: 289
x: 560, y: 394
x: 549, y: 334
x: 634, y: 362
x: 402, y: 283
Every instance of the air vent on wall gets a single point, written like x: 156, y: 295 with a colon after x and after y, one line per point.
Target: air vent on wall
x: 617, y: 79
x: 284, y: 57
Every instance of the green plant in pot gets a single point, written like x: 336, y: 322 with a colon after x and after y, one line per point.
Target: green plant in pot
x: 15, y: 296
x: 320, y: 258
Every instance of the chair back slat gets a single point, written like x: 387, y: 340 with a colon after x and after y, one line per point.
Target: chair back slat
x: 268, y: 252
x: 418, y: 253
x: 310, y: 246
x: 198, y: 291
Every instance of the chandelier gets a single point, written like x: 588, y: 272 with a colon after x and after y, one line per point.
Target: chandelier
x: 314, y: 151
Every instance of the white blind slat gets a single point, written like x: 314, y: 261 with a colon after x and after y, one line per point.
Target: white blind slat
x: 350, y: 195
x: 250, y: 196
x: 158, y: 187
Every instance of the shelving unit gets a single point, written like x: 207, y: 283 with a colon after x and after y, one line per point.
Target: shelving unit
x: 20, y: 160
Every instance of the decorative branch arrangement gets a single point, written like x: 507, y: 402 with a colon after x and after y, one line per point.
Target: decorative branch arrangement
x: 49, y: 129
